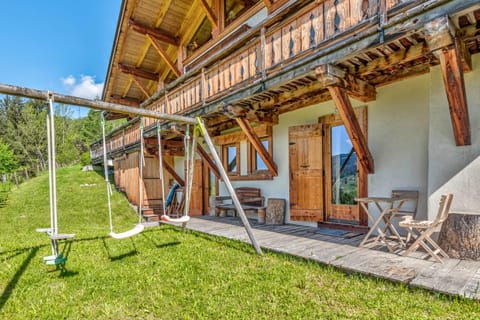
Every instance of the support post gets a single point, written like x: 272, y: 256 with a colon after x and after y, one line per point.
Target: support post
x: 229, y: 186
x: 441, y: 37
x: 258, y: 145
x: 352, y: 126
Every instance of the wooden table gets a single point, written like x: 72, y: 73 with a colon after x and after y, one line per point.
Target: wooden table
x: 459, y: 236
x: 384, y: 205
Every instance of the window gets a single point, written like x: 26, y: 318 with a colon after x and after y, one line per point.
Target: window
x: 231, y: 158
x: 239, y: 157
x: 235, y: 8
x: 201, y: 36
x: 256, y: 165
x: 343, y: 160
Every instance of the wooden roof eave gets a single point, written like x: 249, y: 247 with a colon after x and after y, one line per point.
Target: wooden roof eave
x: 118, y: 32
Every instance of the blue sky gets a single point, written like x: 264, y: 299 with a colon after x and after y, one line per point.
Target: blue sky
x: 58, y: 45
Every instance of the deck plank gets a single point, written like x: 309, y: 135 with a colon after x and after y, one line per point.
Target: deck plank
x: 454, y: 277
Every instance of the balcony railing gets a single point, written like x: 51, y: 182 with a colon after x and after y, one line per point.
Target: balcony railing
x: 263, y: 52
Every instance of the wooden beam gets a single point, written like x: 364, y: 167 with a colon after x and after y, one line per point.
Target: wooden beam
x: 162, y: 12
x: 132, y: 102
x: 329, y: 75
x: 141, y: 86
x: 350, y: 121
x: 258, y: 145
x: 208, y: 160
x: 457, y: 99
x: 191, y: 23
x: 94, y: 104
x: 440, y: 35
x: 210, y: 14
x: 399, y: 57
x: 164, y: 55
x: 173, y: 173
x: 465, y: 56
x: 153, y: 32
x: 137, y: 72
x: 127, y: 87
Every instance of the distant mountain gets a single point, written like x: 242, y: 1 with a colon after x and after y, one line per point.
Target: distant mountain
x: 350, y: 167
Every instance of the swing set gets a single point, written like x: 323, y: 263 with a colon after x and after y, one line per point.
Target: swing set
x: 57, y: 257
x: 190, y: 146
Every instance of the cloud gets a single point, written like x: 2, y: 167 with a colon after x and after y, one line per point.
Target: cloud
x: 69, y: 81
x: 85, y: 88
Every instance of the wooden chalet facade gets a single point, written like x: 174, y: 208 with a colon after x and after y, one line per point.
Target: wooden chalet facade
x: 316, y: 102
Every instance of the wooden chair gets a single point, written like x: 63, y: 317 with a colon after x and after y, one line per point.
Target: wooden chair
x: 422, y: 230
x: 407, y: 210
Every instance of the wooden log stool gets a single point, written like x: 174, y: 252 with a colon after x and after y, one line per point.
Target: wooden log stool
x: 459, y: 236
x: 275, y: 213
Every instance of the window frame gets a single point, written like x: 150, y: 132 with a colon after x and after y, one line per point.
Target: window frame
x: 225, y: 148
x: 236, y: 139
x: 252, y: 169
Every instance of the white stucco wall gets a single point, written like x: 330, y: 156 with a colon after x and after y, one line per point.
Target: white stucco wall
x: 398, y: 139
x: 454, y: 169
x: 411, y: 140
x: 397, y: 135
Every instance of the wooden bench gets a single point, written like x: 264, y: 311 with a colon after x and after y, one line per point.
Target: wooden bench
x: 250, y: 199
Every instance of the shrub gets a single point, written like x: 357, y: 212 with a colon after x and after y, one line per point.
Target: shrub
x: 85, y: 158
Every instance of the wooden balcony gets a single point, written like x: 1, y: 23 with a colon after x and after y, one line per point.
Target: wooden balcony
x: 274, y: 60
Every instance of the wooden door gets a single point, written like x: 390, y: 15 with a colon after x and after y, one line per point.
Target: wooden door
x: 306, y: 172
x: 345, y: 179
x: 152, y: 185
x: 197, y: 201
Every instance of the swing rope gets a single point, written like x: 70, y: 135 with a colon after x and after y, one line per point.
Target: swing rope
x: 141, y: 164
x: 160, y: 165
x: 139, y: 227
x: 189, y: 156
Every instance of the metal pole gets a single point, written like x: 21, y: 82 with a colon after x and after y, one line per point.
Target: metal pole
x: 54, y: 162
x: 229, y: 186
x: 105, y: 168
x: 94, y: 104
x: 50, y: 192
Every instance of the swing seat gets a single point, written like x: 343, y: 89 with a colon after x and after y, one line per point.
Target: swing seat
x: 182, y: 219
x: 55, y: 259
x: 61, y: 236
x: 58, y: 236
x: 127, y: 234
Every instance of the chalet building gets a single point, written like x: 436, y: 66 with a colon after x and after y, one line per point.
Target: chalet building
x: 315, y: 102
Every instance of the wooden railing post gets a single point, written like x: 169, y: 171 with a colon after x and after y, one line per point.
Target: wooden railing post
x: 123, y: 138
x: 263, y: 57
x: 203, y: 87
x: 382, y: 12
x: 167, y: 103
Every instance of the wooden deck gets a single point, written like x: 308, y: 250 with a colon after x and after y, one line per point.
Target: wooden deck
x: 340, y: 249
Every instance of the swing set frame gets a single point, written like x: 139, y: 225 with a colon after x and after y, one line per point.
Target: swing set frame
x: 118, y: 108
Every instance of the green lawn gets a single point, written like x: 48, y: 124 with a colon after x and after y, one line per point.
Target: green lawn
x: 166, y: 274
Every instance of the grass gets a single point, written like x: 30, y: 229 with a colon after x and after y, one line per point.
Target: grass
x: 166, y: 274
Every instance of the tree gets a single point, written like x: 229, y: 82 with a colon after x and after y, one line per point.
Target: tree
x: 8, y: 164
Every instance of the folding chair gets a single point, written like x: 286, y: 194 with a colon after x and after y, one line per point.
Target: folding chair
x: 407, y: 210
x: 421, y: 230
